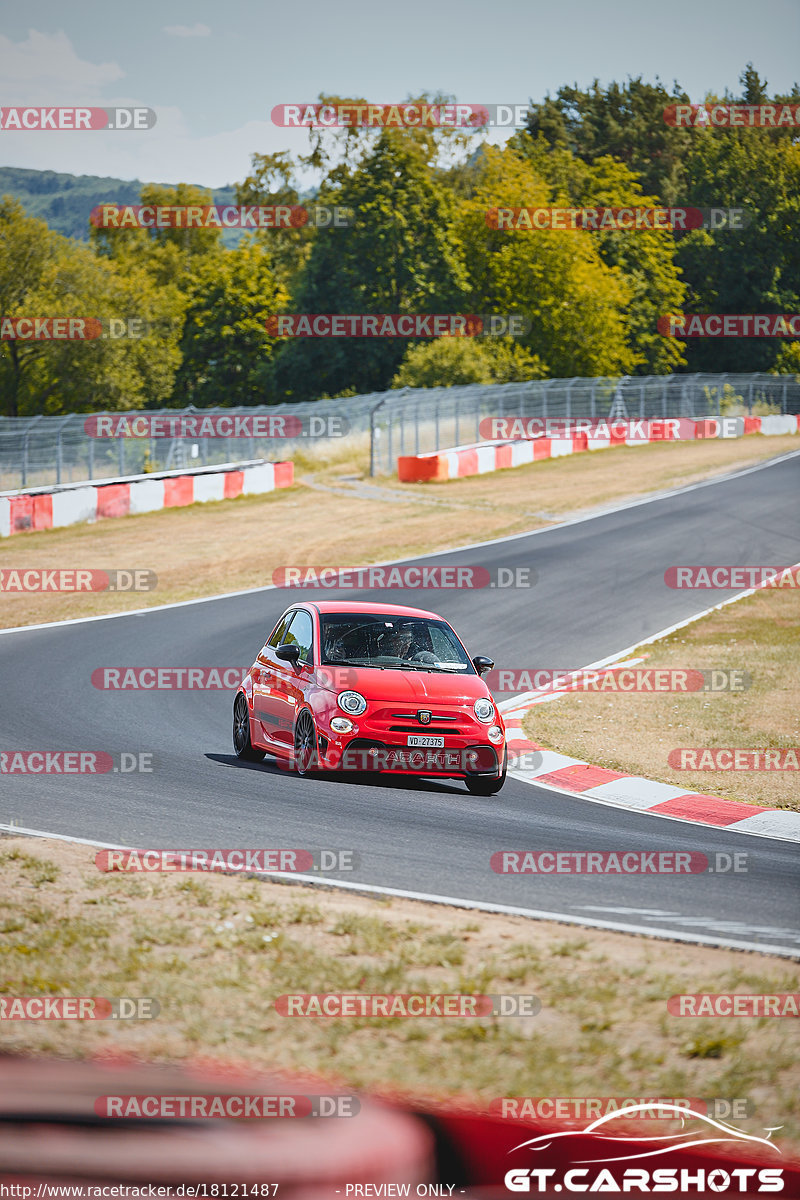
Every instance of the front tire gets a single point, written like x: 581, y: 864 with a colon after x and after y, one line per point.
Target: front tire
x: 245, y: 750
x: 306, y: 757
x: 487, y: 787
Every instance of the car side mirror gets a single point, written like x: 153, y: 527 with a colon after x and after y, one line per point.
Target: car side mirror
x: 482, y: 664
x: 289, y: 653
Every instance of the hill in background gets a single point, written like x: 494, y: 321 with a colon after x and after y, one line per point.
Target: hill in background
x: 65, y: 201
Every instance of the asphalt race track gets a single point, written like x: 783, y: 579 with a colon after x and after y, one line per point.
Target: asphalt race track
x: 599, y: 588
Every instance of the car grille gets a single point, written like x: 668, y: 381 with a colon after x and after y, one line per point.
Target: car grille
x: 441, y: 730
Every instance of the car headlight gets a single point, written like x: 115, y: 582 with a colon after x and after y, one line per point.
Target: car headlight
x: 341, y: 725
x: 352, y: 703
x: 484, y: 710
x: 495, y: 735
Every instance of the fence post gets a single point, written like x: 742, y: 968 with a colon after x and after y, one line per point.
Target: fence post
x: 436, y: 423
x: 458, y: 412
x: 58, y: 456
x: 91, y: 458
x: 121, y: 456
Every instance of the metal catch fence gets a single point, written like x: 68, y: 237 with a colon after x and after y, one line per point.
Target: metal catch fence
x: 42, y: 450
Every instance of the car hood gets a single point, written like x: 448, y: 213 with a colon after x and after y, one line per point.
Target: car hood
x: 402, y: 685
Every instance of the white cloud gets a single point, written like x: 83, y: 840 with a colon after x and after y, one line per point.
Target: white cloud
x: 196, y: 30
x: 45, y: 69
x: 168, y: 153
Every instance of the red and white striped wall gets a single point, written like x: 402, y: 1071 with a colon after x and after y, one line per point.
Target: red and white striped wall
x: 481, y: 458
x: 72, y: 504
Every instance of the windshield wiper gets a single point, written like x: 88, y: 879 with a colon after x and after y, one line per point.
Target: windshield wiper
x: 351, y: 662
x: 421, y: 667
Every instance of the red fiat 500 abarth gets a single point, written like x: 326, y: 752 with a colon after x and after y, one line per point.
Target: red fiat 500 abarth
x: 371, y: 687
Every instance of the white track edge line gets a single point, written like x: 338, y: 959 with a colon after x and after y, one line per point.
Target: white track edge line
x: 456, y: 902
x: 512, y: 537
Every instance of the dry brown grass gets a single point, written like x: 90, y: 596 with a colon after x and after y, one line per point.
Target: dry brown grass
x: 207, y: 549
x: 759, y: 635
x: 217, y: 950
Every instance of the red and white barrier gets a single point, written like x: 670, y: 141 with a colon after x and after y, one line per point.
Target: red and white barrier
x: 481, y: 458
x: 72, y: 504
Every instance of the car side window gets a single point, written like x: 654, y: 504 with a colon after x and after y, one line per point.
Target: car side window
x: 301, y: 633
x: 280, y: 630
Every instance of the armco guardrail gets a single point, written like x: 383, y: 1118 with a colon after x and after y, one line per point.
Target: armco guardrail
x: 40, y: 450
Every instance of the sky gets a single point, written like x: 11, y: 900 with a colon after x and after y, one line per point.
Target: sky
x: 214, y: 71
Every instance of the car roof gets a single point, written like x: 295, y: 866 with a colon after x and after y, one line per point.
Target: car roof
x: 357, y: 606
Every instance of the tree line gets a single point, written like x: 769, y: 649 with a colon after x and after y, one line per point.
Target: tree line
x: 420, y: 243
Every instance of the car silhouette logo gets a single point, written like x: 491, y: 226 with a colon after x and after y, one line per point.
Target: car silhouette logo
x: 424, y: 717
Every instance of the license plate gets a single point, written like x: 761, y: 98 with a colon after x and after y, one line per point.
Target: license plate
x: 416, y: 739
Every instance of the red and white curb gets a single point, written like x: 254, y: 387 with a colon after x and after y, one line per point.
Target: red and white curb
x: 73, y: 504
x: 571, y: 776
x: 561, y: 773
x: 482, y: 458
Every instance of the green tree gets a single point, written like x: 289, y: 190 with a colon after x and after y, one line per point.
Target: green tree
x: 646, y: 258
x: 449, y: 361
x: 225, y: 344
x: 43, y: 274
x: 624, y: 121
x: 401, y: 255
x: 575, y: 303
x: 755, y: 269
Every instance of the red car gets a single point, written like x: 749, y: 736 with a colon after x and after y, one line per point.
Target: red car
x: 371, y: 687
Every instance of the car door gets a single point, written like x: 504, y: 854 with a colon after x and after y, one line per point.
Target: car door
x: 268, y: 703
x: 292, y: 681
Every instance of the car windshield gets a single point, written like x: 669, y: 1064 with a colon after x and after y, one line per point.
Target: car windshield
x: 381, y: 641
